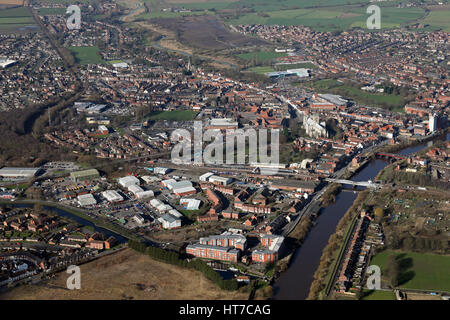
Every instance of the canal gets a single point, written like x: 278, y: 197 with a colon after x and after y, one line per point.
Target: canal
x: 294, y: 283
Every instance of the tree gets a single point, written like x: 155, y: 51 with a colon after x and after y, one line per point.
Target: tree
x: 392, y: 270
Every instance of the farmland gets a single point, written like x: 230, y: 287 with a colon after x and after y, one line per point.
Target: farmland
x: 87, y: 55
x: 330, y: 19
x: 421, y: 271
x: 439, y: 20
x: 333, y: 15
x: 15, y: 18
x: 51, y: 11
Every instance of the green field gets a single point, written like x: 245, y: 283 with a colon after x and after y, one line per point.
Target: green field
x: 15, y: 12
x: 390, y: 101
x: 261, y: 56
x: 378, y: 295
x: 261, y: 5
x: 51, y: 11
x: 421, y: 271
x: 330, y: 18
x: 178, y: 115
x: 438, y: 20
x: 87, y: 55
x: 162, y: 14
x: 330, y: 15
x: 262, y: 70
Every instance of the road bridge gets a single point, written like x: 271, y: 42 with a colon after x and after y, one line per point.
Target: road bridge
x: 368, y: 184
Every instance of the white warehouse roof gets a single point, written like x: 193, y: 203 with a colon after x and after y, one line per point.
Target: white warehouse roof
x: 190, y: 204
x: 204, y: 177
x: 86, y: 200
x: 145, y: 194
x: 112, y: 196
x: 135, y: 189
x: 19, y: 172
x: 128, y: 181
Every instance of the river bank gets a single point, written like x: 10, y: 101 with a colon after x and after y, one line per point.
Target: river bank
x: 296, y: 281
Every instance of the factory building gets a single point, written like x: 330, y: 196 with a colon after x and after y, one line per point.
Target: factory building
x: 161, y: 170
x: 205, y: 177
x: 84, y: 175
x: 128, y: 181
x: 112, y: 196
x: 86, y: 200
x: 169, y: 221
x: 24, y: 173
x: 190, y: 204
x: 184, y: 191
x: 149, y: 179
x: 220, y: 180
x: 145, y: 194
x: 160, y: 206
x: 222, y: 124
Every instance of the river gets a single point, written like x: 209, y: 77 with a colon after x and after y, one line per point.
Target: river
x: 294, y: 283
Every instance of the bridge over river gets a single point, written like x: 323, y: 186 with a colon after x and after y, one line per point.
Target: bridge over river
x: 368, y: 184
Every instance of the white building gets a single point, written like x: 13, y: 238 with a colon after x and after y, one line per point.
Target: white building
x: 86, y: 200
x: 159, y: 205
x: 175, y: 213
x: 169, y: 221
x: 145, y: 194
x: 5, y: 63
x: 150, y: 179
x: 168, y: 183
x: 138, y: 219
x: 120, y: 65
x: 190, y: 204
x: 128, y: 181
x: 19, y: 172
x: 205, y: 177
x: 432, y: 122
x: 220, y: 180
x: 161, y: 170
x: 134, y: 189
x: 112, y: 196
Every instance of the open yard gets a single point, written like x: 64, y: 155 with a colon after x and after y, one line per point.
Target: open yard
x: 127, y: 275
x: 419, y: 270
